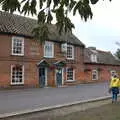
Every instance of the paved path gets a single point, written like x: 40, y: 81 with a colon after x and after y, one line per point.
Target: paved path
x: 24, y: 99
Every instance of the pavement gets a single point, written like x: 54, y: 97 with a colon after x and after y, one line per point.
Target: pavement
x: 15, y: 101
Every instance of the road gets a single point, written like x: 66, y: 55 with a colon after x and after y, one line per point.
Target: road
x: 24, y: 99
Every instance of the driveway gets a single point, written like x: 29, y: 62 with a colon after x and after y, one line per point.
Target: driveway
x: 24, y: 99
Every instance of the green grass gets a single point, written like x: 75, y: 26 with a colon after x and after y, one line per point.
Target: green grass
x: 106, y: 112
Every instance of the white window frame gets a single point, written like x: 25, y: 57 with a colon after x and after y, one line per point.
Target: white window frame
x: 93, y: 57
x: 19, y: 38
x: 52, y: 44
x: 18, y: 83
x: 73, y: 74
x: 70, y: 58
x: 96, y: 74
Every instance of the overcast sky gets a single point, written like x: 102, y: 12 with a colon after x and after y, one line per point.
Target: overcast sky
x: 104, y: 28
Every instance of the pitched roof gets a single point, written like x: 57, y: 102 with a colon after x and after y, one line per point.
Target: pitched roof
x: 19, y: 25
x: 103, y: 57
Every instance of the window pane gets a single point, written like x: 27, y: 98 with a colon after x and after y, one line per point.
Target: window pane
x: 69, y: 51
x: 48, y: 49
x: 17, y: 45
x: 94, y: 75
x: 17, y: 74
x: 70, y: 74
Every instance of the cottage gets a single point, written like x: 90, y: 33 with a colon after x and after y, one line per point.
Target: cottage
x: 99, y: 65
x: 25, y: 62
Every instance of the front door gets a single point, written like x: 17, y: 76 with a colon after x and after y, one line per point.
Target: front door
x: 59, y: 76
x: 42, y: 76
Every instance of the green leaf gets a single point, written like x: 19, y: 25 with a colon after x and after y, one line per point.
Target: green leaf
x: 49, y: 17
x: 66, y: 2
x: 41, y: 32
x: 72, y: 4
x: 41, y: 3
x: 94, y: 1
x: 26, y: 8
x: 48, y: 3
x: 41, y: 17
x: 23, y: 1
x: 56, y: 2
x: 83, y: 9
x: 33, y: 7
x: 10, y: 5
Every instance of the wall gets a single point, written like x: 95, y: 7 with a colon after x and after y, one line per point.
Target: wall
x: 33, y: 53
x: 103, y: 72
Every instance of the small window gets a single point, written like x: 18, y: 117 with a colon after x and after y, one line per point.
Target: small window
x: 70, y: 74
x: 17, y: 74
x: 94, y: 58
x: 17, y: 46
x: 70, y: 52
x: 94, y: 75
x: 48, y: 49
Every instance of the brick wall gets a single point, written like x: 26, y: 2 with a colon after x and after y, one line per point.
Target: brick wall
x: 33, y: 53
x: 104, y: 72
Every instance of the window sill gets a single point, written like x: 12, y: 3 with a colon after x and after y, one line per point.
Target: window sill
x: 70, y: 58
x: 94, y: 79
x: 70, y: 80
x: 17, y: 55
x: 48, y: 57
x: 18, y: 84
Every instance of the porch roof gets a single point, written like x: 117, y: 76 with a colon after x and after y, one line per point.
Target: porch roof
x: 43, y: 63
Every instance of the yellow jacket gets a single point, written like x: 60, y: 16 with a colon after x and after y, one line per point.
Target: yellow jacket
x: 115, y: 82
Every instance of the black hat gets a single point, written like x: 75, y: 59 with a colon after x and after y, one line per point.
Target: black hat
x: 115, y: 76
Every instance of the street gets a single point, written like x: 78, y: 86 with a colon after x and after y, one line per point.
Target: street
x: 24, y: 99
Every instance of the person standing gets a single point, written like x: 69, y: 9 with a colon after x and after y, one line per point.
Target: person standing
x: 114, y: 88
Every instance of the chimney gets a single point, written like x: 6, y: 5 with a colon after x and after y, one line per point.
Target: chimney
x: 92, y: 48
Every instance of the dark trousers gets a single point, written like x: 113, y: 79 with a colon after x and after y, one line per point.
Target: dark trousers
x: 114, y: 97
x: 115, y: 92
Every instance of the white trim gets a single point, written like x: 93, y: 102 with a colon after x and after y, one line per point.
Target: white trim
x: 55, y: 77
x: 49, y: 42
x: 63, y: 76
x: 72, y: 52
x: 73, y: 75
x: 94, y: 57
x: 19, y: 83
x: 96, y: 74
x: 22, y: 39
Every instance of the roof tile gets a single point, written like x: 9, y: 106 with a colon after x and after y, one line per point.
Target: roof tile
x: 16, y: 24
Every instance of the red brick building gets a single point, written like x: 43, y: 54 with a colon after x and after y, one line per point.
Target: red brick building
x: 26, y: 62
x: 99, y: 65
x: 60, y: 60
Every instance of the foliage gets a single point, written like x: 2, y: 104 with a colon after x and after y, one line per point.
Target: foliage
x: 46, y: 9
x: 117, y: 54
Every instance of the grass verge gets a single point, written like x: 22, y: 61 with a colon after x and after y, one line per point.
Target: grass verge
x: 106, y: 112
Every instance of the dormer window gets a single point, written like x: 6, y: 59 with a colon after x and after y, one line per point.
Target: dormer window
x: 94, y: 58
